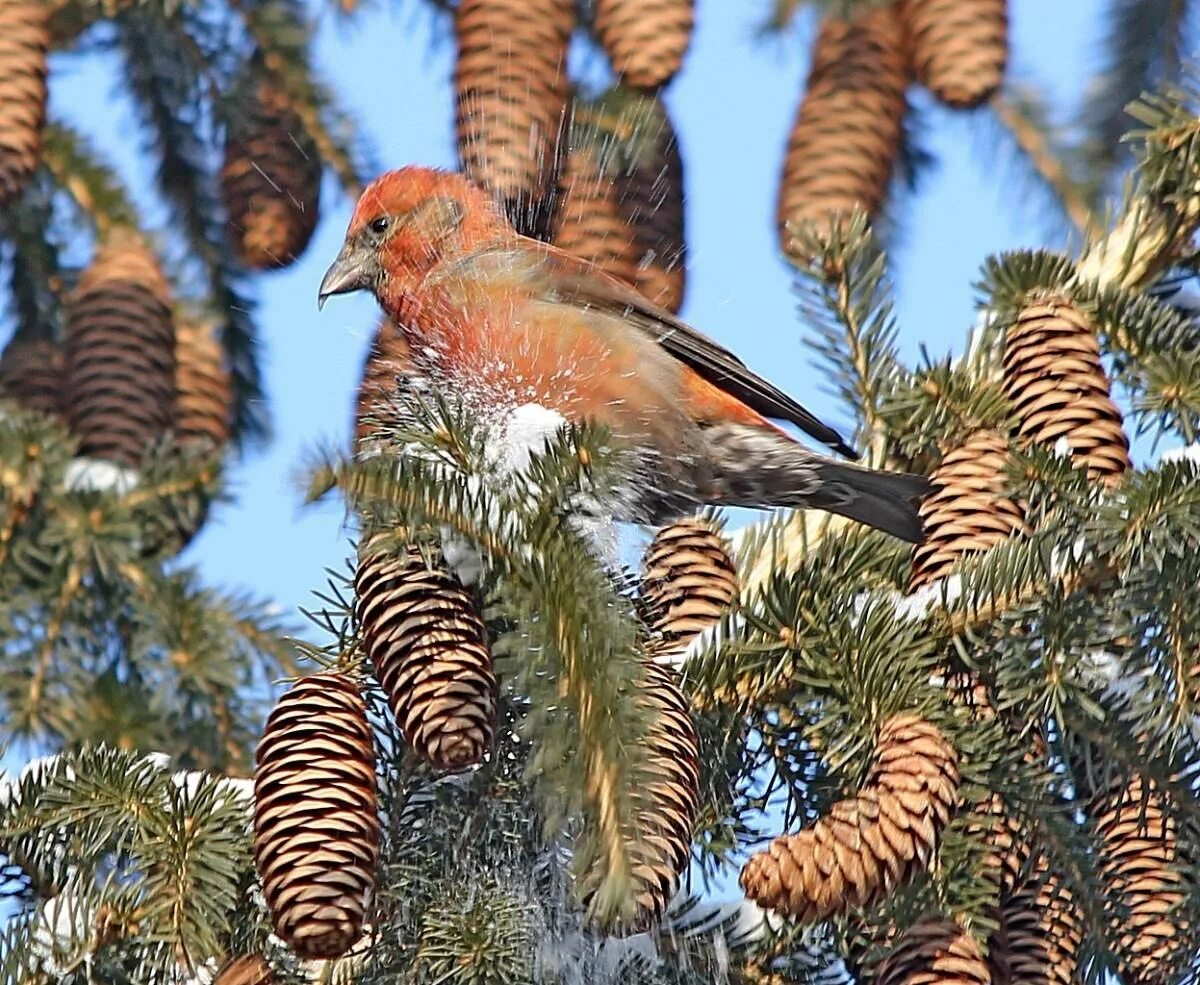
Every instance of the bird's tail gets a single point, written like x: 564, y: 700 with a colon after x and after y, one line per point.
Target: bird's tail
x: 887, y: 501
x: 758, y: 467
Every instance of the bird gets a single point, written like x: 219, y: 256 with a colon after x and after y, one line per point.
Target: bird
x: 500, y: 320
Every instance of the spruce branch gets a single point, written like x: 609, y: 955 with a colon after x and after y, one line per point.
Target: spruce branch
x: 172, y: 94
x: 1021, y: 113
x: 844, y: 291
x: 572, y: 649
x: 1145, y: 42
x: 35, y: 275
x: 1162, y: 208
x: 281, y: 32
x: 94, y: 187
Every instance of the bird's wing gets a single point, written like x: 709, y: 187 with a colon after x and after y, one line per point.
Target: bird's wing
x: 553, y: 275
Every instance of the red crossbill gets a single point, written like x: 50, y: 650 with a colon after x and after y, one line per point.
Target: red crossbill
x: 504, y: 321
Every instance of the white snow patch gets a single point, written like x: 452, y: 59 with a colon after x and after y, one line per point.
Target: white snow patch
x: 159, y: 760
x: 62, y: 933
x: 97, y: 475
x: 1186, y: 453
x: 522, y: 434
x: 916, y: 606
x: 463, y: 558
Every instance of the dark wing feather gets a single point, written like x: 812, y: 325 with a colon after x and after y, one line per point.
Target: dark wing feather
x: 563, y: 277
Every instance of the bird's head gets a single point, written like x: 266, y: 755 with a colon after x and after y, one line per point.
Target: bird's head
x: 405, y: 222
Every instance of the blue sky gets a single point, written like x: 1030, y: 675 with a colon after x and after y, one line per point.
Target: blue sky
x: 732, y: 106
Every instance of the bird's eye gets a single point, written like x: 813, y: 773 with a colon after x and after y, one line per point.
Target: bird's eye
x: 379, y: 225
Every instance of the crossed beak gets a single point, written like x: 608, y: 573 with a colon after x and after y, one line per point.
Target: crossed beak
x: 355, y: 269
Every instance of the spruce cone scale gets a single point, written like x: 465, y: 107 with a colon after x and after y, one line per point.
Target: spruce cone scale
x: 689, y: 581
x: 968, y: 512
x: 204, y: 390
x: 1058, y: 389
x: 959, y: 48
x: 1145, y: 877
x: 868, y: 844
x: 935, y: 951
x: 24, y: 42
x: 316, y: 827
x: 849, y: 125
x: 31, y: 373
x: 270, y: 180
x: 120, y: 353
x: 511, y: 88
x: 645, y: 39
x: 424, y: 635
x: 1041, y: 931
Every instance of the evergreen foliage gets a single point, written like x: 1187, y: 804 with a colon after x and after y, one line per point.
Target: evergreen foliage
x: 1061, y: 666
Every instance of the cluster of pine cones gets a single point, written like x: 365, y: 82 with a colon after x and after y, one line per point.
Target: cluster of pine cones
x: 849, y: 126
x: 271, y: 178
x: 316, y: 822
x: 132, y: 368
x: 1059, y: 397
x: 132, y: 372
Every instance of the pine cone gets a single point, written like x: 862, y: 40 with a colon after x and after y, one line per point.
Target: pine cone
x: 204, y: 391
x: 959, y: 48
x: 423, y: 633
x: 271, y: 178
x: 249, y: 969
x: 968, y: 511
x: 120, y: 353
x: 1041, y: 932
x: 849, y: 125
x: 935, y: 951
x: 389, y: 357
x: 24, y: 41
x: 1058, y: 388
x: 688, y: 581
x: 1146, y: 882
x: 316, y: 830
x: 621, y: 199
x: 645, y: 39
x: 31, y: 373
x: 511, y: 90
x: 867, y: 844
x: 668, y: 795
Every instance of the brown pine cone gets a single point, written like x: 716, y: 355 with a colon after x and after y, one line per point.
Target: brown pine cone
x: 621, y: 194
x: 968, y: 512
x: 31, y: 373
x: 389, y: 357
x: 511, y: 91
x: 423, y: 632
x: 849, y: 126
x: 120, y: 353
x: 688, y: 581
x: 24, y: 41
x: 935, y: 951
x: 316, y: 826
x: 204, y: 391
x: 868, y: 844
x: 1058, y: 388
x: 1147, y: 883
x: 1042, y: 932
x: 645, y: 39
x: 668, y: 796
x: 249, y: 969
x: 271, y: 178
x: 959, y: 48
